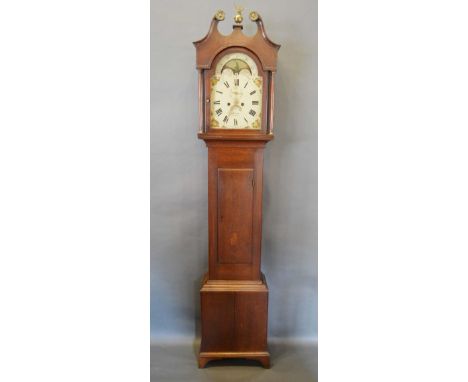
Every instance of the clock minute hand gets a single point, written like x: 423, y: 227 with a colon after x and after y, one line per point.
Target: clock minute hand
x: 235, y: 101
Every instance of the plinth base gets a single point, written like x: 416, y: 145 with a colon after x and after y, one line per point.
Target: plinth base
x: 234, y: 317
x: 262, y: 357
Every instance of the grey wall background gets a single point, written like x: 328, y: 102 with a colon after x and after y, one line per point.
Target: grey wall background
x: 179, y: 235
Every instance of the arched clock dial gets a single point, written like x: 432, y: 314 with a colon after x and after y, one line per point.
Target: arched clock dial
x: 236, y: 93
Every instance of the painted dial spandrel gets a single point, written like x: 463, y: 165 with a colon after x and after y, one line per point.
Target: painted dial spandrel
x: 236, y: 93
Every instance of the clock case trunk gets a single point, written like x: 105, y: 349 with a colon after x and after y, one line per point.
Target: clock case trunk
x: 234, y: 292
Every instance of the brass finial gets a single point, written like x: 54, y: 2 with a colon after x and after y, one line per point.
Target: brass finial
x: 219, y: 15
x: 253, y: 16
x: 238, y: 17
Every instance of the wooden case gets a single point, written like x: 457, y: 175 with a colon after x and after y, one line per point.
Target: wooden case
x: 234, y: 293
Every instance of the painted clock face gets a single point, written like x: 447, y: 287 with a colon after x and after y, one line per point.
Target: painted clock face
x: 236, y: 93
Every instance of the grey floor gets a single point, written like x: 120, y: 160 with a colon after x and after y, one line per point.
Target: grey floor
x: 289, y: 362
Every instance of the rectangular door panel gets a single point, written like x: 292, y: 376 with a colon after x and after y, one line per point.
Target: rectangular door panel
x: 235, y: 215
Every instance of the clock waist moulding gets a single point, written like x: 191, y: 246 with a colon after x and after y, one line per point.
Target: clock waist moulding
x: 236, y: 106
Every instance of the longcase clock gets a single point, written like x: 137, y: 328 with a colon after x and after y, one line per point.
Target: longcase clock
x: 236, y: 105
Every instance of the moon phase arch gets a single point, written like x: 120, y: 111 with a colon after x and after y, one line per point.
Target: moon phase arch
x: 236, y: 65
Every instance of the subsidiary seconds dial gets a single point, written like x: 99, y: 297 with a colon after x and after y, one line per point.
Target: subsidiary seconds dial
x: 236, y: 93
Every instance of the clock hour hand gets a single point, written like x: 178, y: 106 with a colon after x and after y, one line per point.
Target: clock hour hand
x: 236, y: 104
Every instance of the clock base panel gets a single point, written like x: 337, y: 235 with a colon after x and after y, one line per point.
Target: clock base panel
x: 234, y: 319
x: 262, y: 357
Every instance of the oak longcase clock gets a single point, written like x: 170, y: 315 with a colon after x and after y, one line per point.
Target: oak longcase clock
x: 236, y: 105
